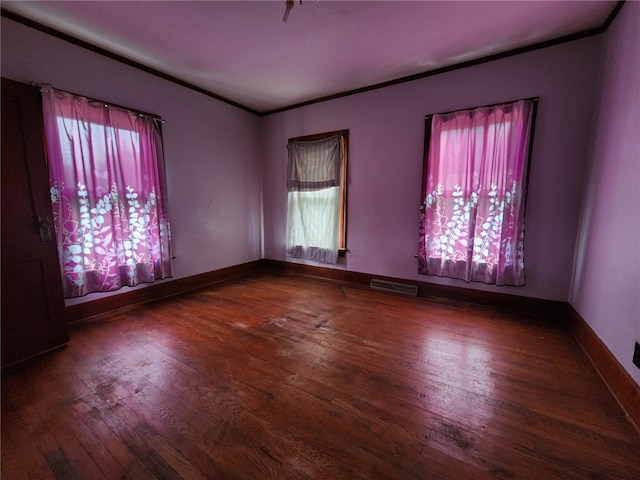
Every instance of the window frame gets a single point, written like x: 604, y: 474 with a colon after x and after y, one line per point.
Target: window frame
x: 344, y: 155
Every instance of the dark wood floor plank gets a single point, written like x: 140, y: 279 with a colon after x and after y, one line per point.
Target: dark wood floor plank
x: 293, y: 377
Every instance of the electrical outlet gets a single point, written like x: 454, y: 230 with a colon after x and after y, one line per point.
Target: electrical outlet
x: 636, y: 355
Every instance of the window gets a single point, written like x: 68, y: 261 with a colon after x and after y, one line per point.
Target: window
x: 106, y: 171
x: 316, y: 203
x: 473, y: 193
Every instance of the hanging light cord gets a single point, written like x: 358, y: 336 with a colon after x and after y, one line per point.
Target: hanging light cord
x: 289, y: 7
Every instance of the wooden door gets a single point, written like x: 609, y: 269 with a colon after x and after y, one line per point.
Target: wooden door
x: 31, y: 289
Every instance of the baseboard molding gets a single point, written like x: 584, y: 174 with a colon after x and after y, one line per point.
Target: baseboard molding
x: 535, y: 306
x: 625, y: 390
x: 157, y: 291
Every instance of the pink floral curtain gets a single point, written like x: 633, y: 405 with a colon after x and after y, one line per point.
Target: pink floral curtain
x: 473, y: 199
x: 106, y: 171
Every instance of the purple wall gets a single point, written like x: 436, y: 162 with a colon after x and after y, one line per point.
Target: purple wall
x: 211, y: 148
x: 221, y: 159
x: 385, y: 162
x: 606, y: 280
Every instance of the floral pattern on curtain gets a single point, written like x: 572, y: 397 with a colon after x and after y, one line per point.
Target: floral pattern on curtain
x: 106, y: 171
x: 313, y: 201
x: 473, y: 198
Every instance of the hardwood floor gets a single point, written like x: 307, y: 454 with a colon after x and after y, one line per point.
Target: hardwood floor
x: 297, y: 378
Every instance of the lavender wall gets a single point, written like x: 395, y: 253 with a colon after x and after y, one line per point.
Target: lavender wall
x: 211, y: 148
x: 606, y: 280
x: 221, y: 159
x: 386, y: 143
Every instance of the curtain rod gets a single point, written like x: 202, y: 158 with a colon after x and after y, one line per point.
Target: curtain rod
x: 140, y: 113
x: 319, y: 136
x: 531, y: 99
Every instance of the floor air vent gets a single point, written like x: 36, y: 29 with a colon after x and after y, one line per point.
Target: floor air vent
x: 394, y: 287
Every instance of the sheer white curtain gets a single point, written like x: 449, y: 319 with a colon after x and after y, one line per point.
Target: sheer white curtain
x: 313, y: 209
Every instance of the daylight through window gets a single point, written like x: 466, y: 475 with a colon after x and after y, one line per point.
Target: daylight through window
x: 473, y: 193
x: 107, y: 186
x: 316, y: 199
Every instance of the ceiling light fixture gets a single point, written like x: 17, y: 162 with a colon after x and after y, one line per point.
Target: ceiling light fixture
x: 289, y: 7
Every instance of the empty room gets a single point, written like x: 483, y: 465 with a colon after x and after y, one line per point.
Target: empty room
x: 320, y: 239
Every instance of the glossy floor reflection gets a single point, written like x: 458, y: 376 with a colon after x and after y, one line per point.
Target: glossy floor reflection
x: 294, y: 377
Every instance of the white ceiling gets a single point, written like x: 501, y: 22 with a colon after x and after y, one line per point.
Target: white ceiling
x: 244, y: 52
